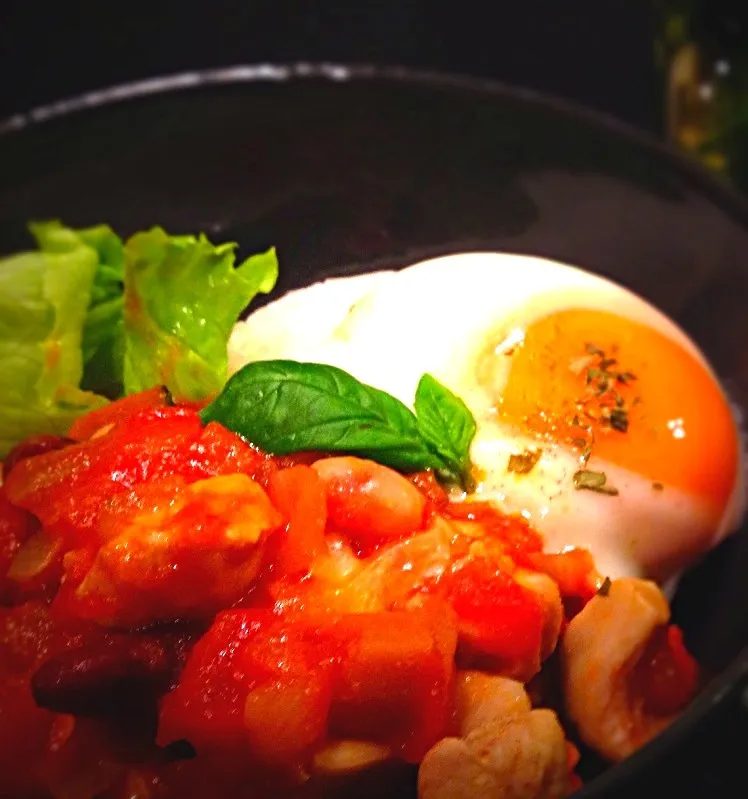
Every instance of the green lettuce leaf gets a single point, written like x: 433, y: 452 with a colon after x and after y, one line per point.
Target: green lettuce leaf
x: 182, y: 298
x: 86, y: 316
x: 103, y: 331
x: 44, y: 298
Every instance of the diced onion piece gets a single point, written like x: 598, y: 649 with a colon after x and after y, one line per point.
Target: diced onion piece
x: 344, y: 757
x: 34, y: 557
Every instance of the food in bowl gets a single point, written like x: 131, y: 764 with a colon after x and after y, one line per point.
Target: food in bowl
x: 422, y: 527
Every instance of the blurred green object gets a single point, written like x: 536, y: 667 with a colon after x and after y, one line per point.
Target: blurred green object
x: 701, y: 50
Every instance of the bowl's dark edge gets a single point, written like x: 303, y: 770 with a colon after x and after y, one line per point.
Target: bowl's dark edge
x: 723, y: 195
x: 719, y: 191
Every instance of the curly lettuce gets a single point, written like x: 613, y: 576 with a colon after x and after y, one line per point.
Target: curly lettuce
x: 183, y: 295
x: 44, y: 299
x: 87, y: 317
x: 103, y: 331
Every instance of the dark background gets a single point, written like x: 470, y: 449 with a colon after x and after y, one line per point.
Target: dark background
x: 597, y: 52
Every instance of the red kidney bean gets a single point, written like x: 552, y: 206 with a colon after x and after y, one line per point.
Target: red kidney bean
x: 30, y: 447
x: 103, y: 678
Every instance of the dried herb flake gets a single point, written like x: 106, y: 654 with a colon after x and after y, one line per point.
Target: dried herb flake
x: 585, y: 479
x: 619, y: 419
x: 524, y: 462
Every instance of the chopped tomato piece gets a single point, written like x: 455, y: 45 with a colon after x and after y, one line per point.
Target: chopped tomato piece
x: 667, y: 674
x: 299, y: 495
x: 218, y: 451
x: 70, y: 489
x: 231, y: 675
x: 498, y: 619
x: 368, y: 501
x: 119, y: 411
x: 382, y: 676
x: 394, y: 685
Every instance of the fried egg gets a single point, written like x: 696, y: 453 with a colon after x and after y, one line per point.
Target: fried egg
x: 598, y: 419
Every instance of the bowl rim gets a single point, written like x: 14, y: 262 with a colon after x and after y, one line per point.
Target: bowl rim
x: 733, y: 680
x: 347, y: 72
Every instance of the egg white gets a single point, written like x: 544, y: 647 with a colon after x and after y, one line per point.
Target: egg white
x: 438, y: 316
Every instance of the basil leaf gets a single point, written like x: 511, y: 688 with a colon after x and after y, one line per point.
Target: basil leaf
x: 447, y: 425
x: 286, y: 406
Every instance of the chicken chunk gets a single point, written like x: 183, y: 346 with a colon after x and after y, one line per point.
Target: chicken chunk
x: 599, y: 651
x: 210, y: 535
x: 508, y: 750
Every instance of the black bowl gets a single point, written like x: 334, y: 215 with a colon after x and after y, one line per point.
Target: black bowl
x: 352, y: 169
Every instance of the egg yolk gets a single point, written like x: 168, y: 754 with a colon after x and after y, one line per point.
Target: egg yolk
x: 618, y: 390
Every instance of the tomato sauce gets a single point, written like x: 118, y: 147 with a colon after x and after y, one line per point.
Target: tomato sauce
x: 180, y: 609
